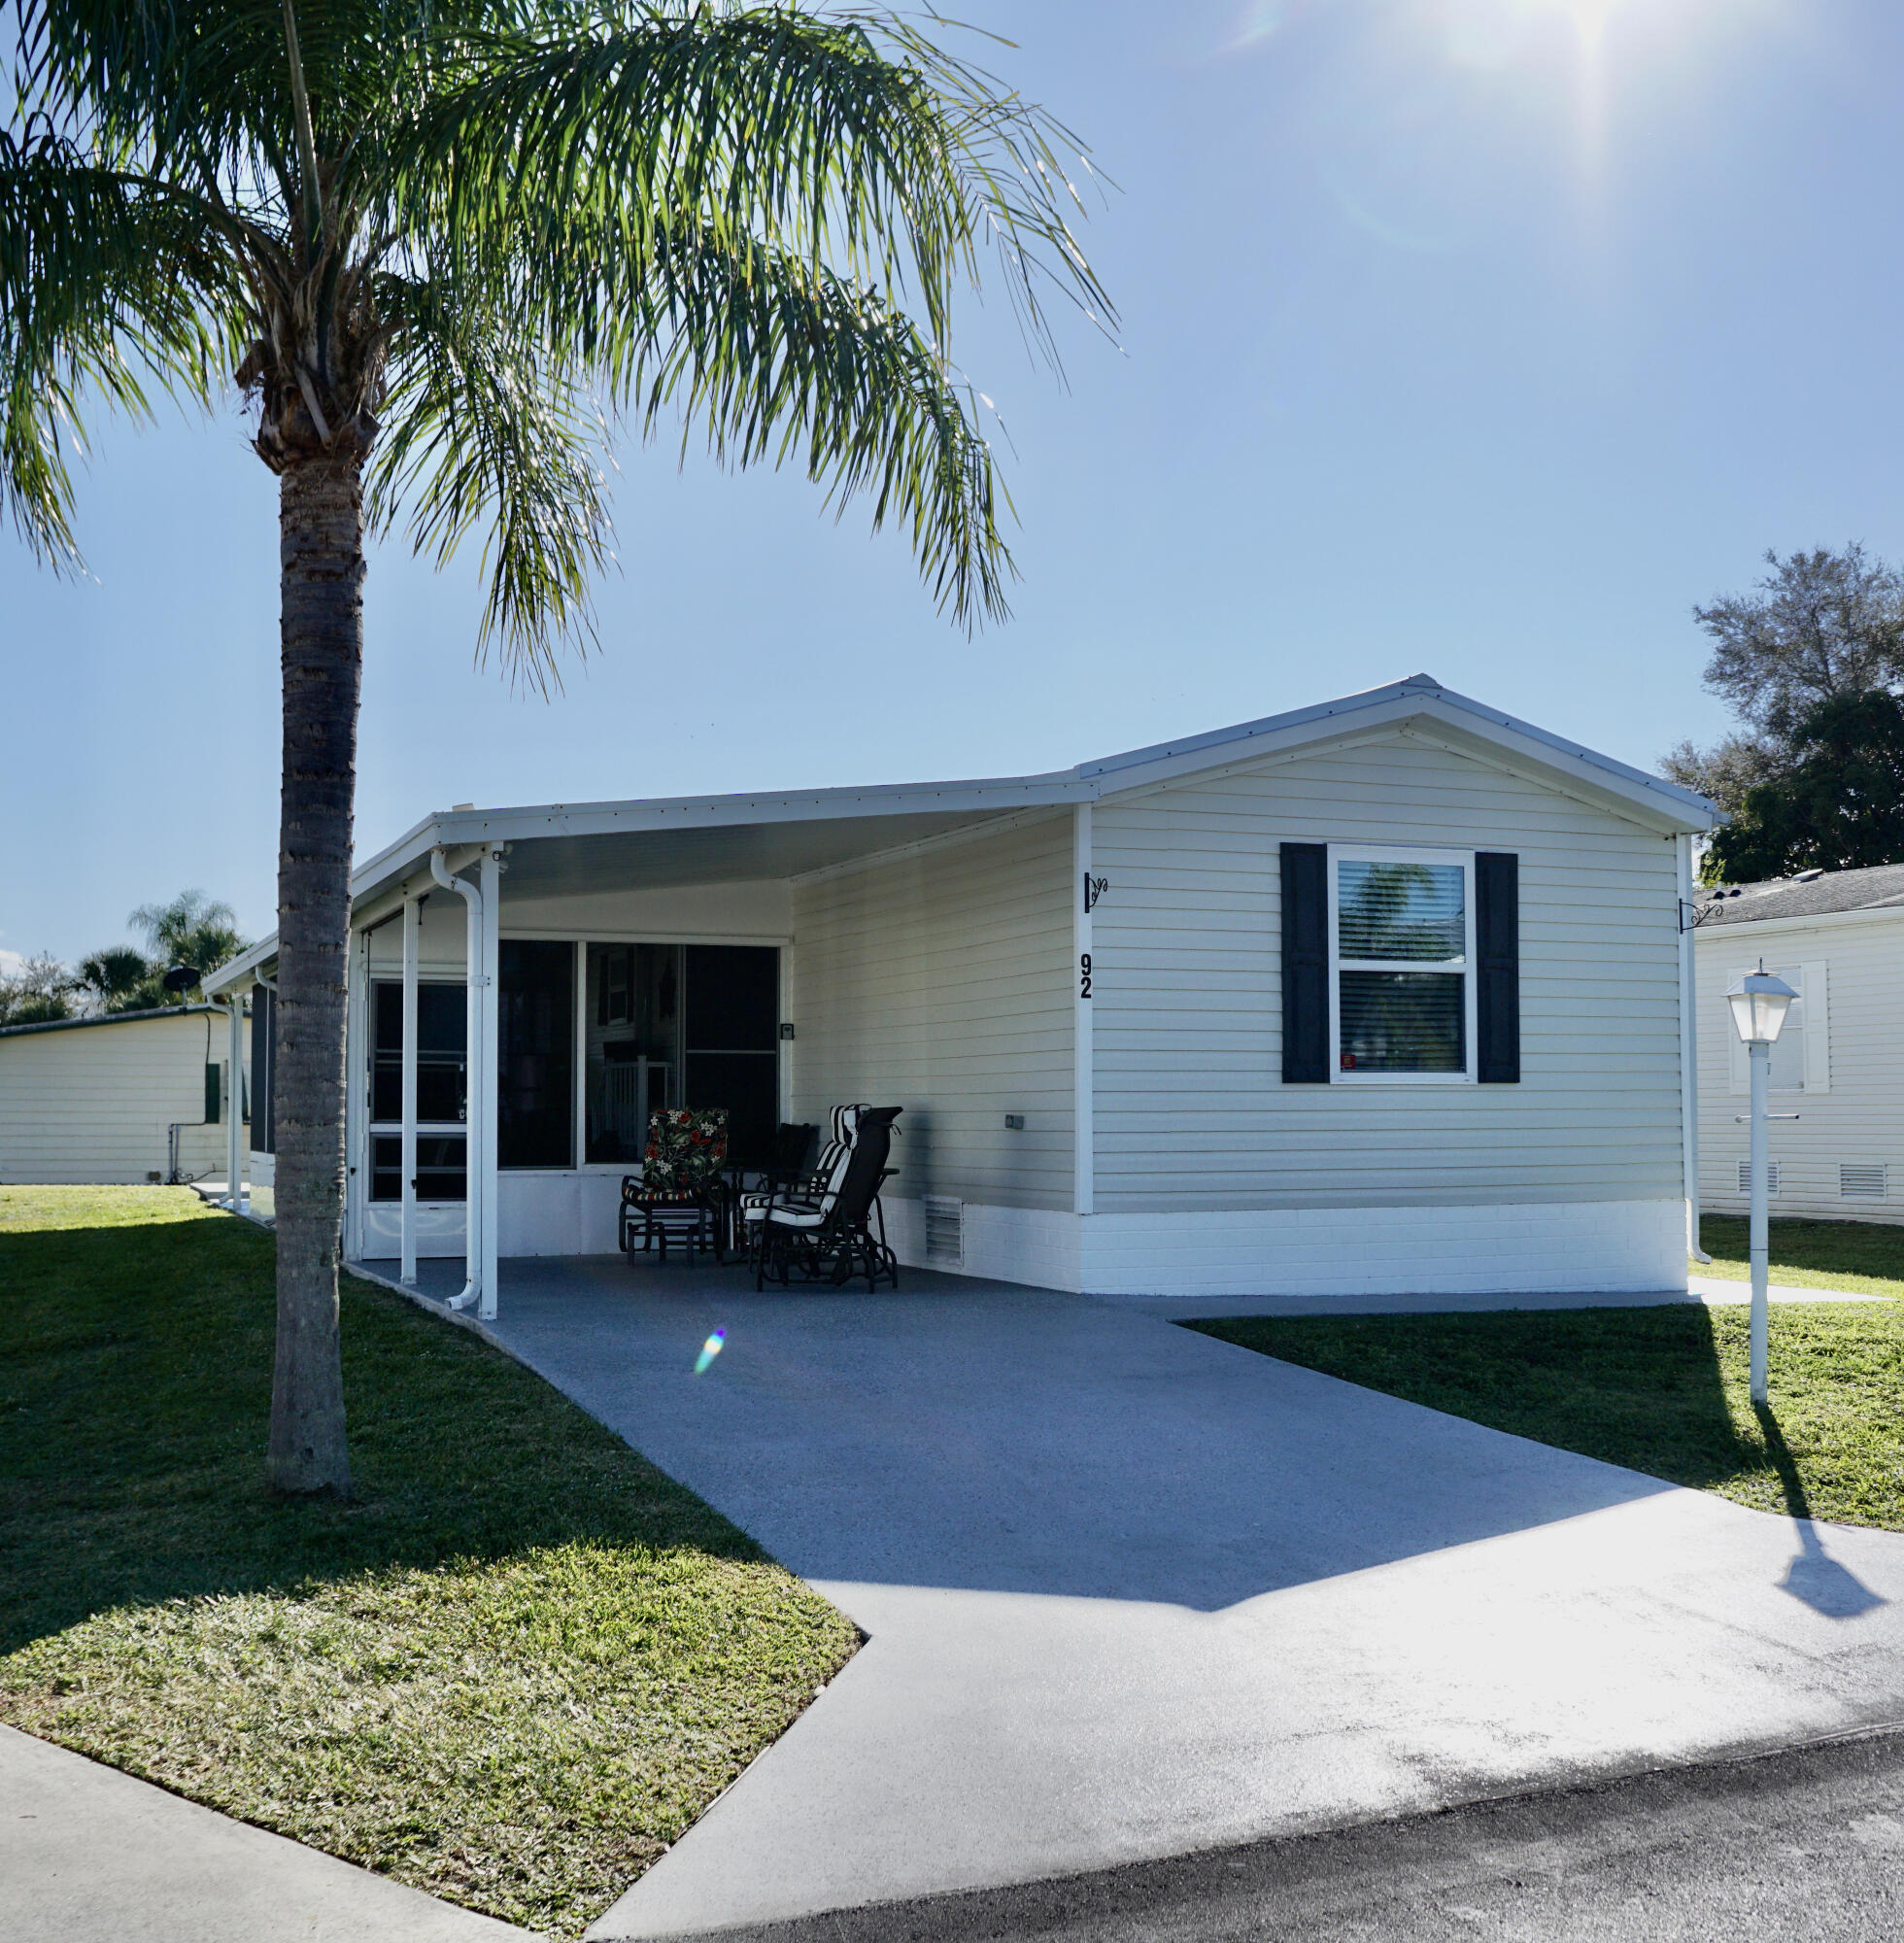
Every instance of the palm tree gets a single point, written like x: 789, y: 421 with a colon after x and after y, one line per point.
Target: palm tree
x: 447, y: 247
x: 192, y: 929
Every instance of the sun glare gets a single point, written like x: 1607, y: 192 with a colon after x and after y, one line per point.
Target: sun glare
x: 1490, y: 32
x: 1589, y: 17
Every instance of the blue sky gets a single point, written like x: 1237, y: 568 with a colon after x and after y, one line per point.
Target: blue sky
x: 1479, y: 337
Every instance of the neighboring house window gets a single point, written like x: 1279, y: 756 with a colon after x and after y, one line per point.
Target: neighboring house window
x: 1801, y: 1054
x: 1402, y: 947
x: 1787, y: 1074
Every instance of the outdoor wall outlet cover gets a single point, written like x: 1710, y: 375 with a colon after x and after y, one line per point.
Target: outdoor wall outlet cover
x: 1016, y: 1122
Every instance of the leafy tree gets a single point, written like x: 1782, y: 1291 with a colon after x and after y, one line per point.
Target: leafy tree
x: 1821, y: 625
x: 447, y: 246
x: 1839, y: 805
x: 38, y: 992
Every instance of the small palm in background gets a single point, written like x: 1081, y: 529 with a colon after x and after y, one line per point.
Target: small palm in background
x: 192, y: 930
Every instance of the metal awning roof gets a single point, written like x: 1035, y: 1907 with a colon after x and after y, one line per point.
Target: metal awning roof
x: 558, y: 849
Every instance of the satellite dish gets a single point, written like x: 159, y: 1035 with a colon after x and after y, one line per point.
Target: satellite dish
x: 181, y: 978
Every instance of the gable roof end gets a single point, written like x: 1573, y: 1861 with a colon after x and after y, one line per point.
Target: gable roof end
x: 1398, y: 702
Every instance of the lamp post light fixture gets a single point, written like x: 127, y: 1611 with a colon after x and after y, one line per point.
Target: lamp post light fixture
x: 1759, y: 1001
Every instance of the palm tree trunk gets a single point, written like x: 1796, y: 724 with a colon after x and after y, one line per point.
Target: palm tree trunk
x: 321, y: 553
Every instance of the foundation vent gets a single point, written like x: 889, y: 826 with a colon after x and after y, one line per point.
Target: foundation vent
x: 945, y: 1230
x: 1771, y: 1177
x: 1860, y: 1180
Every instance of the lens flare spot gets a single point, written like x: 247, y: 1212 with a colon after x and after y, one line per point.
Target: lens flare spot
x: 708, y: 1351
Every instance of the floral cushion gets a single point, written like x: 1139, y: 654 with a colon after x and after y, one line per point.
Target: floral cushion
x: 687, y: 1150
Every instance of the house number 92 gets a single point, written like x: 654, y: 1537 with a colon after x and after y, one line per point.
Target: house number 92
x: 1085, y: 975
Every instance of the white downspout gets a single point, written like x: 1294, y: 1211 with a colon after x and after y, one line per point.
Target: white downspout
x: 1688, y: 1052
x: 407, y: 1215
x: 357, y: 1150
x: 474, y: 1175
x: 1084, y: 1147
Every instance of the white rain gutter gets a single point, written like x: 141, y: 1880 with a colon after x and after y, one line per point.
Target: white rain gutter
x: 1688, y: 1051
x: 473, y: 1172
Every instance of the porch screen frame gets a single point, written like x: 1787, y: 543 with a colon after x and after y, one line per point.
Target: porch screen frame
x: 375, y: 1129
x: 778, y: 941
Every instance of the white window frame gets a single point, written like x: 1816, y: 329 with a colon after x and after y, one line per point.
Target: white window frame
x: 1403, y: 853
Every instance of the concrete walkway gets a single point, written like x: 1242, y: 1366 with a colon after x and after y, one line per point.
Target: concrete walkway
x: 1131, y: 1591
x: 89, y: 1854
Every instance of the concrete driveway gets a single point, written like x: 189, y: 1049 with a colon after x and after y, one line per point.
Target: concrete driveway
x: 1131, y: 1591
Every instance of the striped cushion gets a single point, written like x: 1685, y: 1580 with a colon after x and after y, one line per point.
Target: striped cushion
x: 796, y: 1214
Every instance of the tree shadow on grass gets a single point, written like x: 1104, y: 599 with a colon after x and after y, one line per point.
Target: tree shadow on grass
x: 135, y: 1380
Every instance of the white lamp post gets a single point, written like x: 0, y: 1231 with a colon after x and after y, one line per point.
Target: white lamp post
x: 1760, y: 1002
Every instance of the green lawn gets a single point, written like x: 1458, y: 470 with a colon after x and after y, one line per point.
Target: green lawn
x: 1863, y: 1257
x: 1662, y: 1391
x: 512, y: 1670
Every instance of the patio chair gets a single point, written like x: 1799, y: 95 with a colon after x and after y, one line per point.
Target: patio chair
x: 677, y: 1194
x: 792, y: 1171
x: 838, y: 1232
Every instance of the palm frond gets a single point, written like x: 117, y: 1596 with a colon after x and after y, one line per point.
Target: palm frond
x: 535, y: 215
x: 106, y: 283
x: 778, y: 362
x: 849, y: 142
x: 485, y: 431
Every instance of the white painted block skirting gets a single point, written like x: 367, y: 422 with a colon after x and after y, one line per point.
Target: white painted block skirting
x: 1548, y: 1247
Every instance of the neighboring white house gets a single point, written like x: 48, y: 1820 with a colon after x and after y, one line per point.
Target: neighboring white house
x: 1837, y: 938
x: 1383, y: 995
x: 132, y: 1097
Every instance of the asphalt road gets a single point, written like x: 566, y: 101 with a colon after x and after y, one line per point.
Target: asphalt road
x: 1807, y: 1844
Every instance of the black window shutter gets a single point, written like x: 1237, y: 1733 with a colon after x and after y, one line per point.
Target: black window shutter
x: 1306, y: 962
x: 1497, y: 939
x: 260, y: 1081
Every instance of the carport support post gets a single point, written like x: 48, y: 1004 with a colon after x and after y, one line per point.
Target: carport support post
x: 234, y: 1114
x: 1761, y: 1069
x: 407, y: 1243
x: 490, y: 1070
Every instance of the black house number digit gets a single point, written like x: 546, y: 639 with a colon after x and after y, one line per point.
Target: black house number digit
x: 1085, y: 975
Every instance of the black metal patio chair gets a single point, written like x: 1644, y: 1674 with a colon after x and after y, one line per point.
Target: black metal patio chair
x: 838, y: 1232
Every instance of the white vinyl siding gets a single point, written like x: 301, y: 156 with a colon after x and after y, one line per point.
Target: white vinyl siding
x: 92, y: 1103
x: 1849, y: 971
x: 1191, y: 1108
x: 940, y: 981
